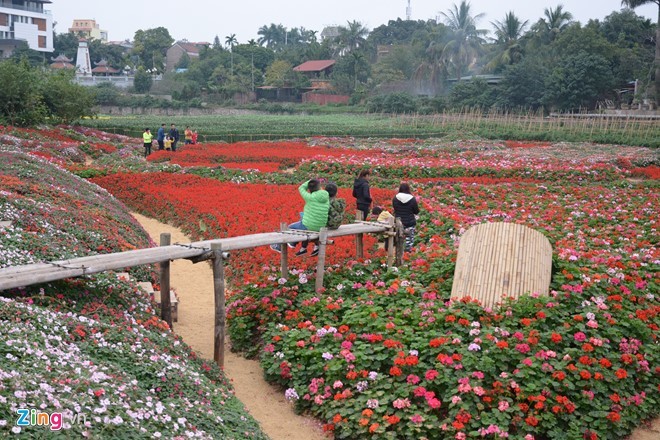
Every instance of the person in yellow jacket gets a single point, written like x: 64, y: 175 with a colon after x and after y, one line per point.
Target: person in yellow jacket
x: 188, y: 135
x: 148, y: 138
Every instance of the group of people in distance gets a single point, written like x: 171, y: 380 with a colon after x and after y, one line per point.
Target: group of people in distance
x: 323, y: 209
x: 167, y: 141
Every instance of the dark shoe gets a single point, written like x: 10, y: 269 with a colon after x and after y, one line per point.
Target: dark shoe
x: 291, y: 245
x: 276, y: 248
x: 315, y: 251
x: 302, y: 251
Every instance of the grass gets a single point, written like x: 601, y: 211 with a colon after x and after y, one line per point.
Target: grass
x: 250, y: 127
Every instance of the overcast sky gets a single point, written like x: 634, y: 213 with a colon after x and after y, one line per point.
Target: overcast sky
x: 202, y: 20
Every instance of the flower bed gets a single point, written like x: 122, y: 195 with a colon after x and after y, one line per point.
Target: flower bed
x: 89, y: 353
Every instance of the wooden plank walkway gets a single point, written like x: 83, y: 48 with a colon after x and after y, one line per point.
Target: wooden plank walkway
x: 496, y: 259
x: 20, y: 276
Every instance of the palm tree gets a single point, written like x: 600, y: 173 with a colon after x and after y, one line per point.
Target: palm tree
x: 231, y: 41
x: 555, y: 21
x: 633, y: 4
x: 272, y: 36
x: 353, y: 36
x: 466, y: 39
x: 508, y: 33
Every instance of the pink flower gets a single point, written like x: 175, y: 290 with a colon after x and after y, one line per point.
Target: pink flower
x: 431, y: 374
x: 416, y: 418
x: 412, y: 379
x: 503, y: 405
x: 401, y: 403
x: 580, y: 337
x: 456, y: 399
x: 337, y: 384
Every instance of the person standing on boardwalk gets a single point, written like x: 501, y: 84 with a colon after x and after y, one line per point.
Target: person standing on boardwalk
x: 160, y: 137
x: 362, y: 193
x: 315, y: 214
x: 406, y: 208
x: 148, y: 138
x: 174, y: 135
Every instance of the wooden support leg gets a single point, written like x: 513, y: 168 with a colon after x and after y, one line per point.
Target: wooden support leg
x: 400, y: 242
x: 390, y: 243
x: 219, y: 293
x: 359, y: 238
x: 320, y: 265
x: 284, y: 258
x: 165, y: 306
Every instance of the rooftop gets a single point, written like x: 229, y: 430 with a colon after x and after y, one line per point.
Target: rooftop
x: 314, y: 66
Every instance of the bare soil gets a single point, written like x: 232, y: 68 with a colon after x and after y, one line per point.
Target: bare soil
x: 194, y: 287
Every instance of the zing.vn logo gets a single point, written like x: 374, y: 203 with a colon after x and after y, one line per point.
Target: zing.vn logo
x: 27, y: 417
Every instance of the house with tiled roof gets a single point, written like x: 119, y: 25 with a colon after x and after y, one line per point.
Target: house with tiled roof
x: 178, y: 50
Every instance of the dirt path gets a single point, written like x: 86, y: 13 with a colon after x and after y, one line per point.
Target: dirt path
x: 194, y: 286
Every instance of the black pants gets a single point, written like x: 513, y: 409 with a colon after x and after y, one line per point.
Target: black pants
x: 365, y: 212
x: 174, y: 145
x: 161, y: 144
x: 147, y: 149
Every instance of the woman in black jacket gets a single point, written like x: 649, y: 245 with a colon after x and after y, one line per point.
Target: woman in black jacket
x: 362, y: 194
x: 406, y: 208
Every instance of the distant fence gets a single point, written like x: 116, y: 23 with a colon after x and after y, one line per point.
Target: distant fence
x: 323, y: 99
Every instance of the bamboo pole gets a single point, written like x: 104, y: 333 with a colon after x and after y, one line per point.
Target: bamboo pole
x: 320, y: 265
x: 390, y: 243
x: 400, y: 242
x: 219, y: 294
x: 359, y: 238
x: 284, y: 256
x: 165, y: 306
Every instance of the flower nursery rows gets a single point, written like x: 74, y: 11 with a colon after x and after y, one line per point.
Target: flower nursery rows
x: 388, y: 354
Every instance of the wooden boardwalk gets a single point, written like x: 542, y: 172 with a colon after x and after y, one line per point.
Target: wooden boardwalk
x: 20, y: 276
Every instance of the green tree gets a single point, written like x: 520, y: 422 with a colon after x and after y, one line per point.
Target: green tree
x: 151, y: 47
x: 66, y: 44
x: 466, y: 40
x: 508, y: 49
x: 65, y: 100
x: 21, y: 101
x: 523, y: 85
x: 352, y: 36
x: 279, y: 74
x: 272, y: 36
x: 555, y: 21
x: 231, y: 41
x: 635, y: 4
x: 142, y: 82
x: 579, y: 81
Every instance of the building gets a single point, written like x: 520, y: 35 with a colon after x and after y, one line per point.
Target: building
x: 318, y: 72
x: 88, y: 29
x: 25, y: 21
x: 178, y: 50
x: 61, y: 62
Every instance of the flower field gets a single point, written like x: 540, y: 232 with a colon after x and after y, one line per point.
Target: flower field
x: 388, y: 354
x: 91, y: 350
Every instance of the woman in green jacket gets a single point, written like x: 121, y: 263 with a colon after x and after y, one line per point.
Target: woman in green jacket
x: 315, y: 214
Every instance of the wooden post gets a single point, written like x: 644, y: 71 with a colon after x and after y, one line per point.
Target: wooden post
x: 390, y: 242
x: 320, y: 265
x: 165, y: 306
x: 284, y: 257
x: 219, y: 293
x: 359, y: 238
x: 400, y: 242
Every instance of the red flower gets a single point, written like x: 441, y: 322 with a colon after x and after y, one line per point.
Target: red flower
x: 621, y: 373
x: 614, y: 417
x: 556, y: 338
x: 531, y: 421
x: 584, y: 374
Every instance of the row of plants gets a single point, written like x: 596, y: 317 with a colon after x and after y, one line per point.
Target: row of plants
x: 471, y: 124
x: 92, y: 349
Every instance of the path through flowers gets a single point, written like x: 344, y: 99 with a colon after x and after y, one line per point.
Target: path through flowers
x: 194, y: 285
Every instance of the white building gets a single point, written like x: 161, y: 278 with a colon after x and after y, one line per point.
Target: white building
x: 25, y: 21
